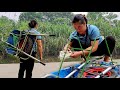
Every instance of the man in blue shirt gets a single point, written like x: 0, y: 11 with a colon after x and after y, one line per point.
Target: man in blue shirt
x: 34, y: 31
x: 89, y: 37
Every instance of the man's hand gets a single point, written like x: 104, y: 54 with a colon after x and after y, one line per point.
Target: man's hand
x: 75, y: 54
x: 41, y: 58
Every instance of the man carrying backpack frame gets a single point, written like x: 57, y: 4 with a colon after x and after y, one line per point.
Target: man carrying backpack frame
x: 28, y: 64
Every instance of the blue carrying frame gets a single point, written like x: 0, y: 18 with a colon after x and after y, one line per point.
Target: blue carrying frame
x: 20, y: 39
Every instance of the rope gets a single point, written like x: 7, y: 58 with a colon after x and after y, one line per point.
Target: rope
x: 75, y: 48
x: 63, y: 60
x: 108, y: 50
x: 17, y: 42
x: 87, y: 61
x: 15, y: 39
x: 81, y: 48
x: 24, y: 43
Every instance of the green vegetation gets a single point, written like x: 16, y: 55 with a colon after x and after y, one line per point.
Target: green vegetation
x: 58, y: 23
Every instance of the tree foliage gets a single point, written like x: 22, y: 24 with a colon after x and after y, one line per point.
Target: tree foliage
x: 59, y: 23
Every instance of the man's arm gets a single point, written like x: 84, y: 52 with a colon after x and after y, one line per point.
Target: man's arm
x: 92, y: 48
x: 40, y: 48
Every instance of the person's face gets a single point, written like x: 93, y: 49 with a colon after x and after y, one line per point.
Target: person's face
x: 36, y: 26
x: 80, y: 28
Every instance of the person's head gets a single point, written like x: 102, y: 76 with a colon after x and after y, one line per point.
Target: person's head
x: 33, y: 24
x: 80, y: 22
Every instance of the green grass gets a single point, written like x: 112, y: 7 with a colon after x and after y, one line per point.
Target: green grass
x: 9, y: 59
x: 56, y: 59
x: 13, y: 59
